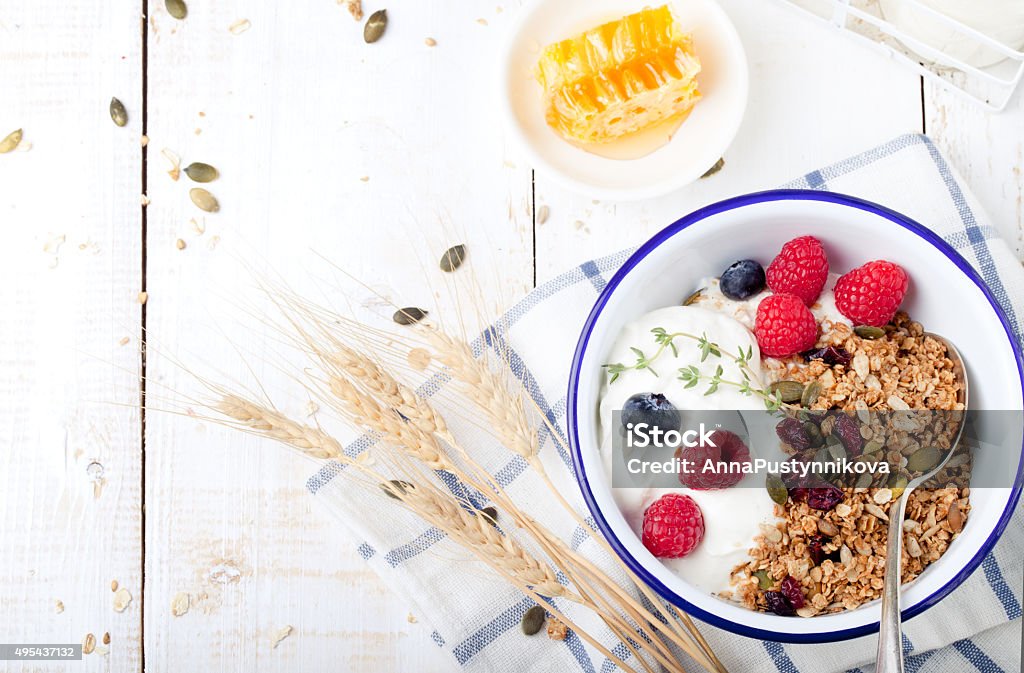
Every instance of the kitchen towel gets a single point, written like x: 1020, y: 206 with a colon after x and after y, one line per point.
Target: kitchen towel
x: 476, y: 616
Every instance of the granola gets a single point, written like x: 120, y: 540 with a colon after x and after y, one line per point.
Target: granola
x: 837, y: 555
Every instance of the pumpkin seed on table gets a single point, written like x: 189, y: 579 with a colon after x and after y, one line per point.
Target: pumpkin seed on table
x: 197, y: 171
x: 409, y: 315
x: 491, y: 514
x: 869, y: 332
x: 788, y: 391
x: 776, y: 488
x: 533, y: 620
x: 395, y: 487
x: 12, y: 140
x: 714, y: 169
x: 204, y: 200
x: 117, y: 112
x: 176, y: 8
x: 375, y: 26
x: 452, y: 258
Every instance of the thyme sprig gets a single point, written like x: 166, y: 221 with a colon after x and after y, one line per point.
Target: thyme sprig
x: 691, y: 375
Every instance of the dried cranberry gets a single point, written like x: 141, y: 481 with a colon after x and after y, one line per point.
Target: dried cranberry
x: 791, y: 431
x: 848, y: 432
x: 824, y: 496
x: 832, y: 355
x: 814, y: 544
x: 790, y: 588
x: 779, y: 604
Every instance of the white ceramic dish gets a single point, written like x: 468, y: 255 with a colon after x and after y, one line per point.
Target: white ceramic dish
x: 946, y: 295
x: 696, y: 146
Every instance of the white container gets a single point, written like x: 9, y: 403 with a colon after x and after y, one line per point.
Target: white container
x: 1001, y: 20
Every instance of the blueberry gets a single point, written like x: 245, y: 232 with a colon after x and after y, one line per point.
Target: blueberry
x: 743, y: 279
x: 654, y: 409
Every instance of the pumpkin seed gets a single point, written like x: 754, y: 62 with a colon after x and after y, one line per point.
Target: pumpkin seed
x: 176, y: 8
x: 812, y: 391
x: 714, y: 169
x: 869, y: 332
x: 789, y: 391
x: 204, y: 200
x: 814, y: 432
x: 375, y: 26
x: 452, y: 258
x: 693, y: 297
x: 776, y: 488
x: 873, y: 446
x: 897, y: 484
x: 764, y: 582
x: 924, y: 459
x: 533, y: 620
x: 394, y: 488
x: 117, y: 112
x: 12, y: 140
x: 491, y: 514
x: 409, y: 315
x: 197, y: 171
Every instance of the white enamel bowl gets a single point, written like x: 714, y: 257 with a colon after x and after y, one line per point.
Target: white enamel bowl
x: 946, y: 295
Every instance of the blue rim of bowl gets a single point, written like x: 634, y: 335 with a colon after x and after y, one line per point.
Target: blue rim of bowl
x: 581, y: 347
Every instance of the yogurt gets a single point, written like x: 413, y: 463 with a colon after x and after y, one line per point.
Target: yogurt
x: 732, y: 516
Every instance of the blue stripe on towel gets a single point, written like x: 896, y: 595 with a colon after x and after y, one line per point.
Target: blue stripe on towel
x: 979, y: 659
x: 999, y: 586
x: 777, y: 651
x: 593, y: 274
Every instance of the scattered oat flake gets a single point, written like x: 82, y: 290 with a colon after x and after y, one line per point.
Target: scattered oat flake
x: 175, y: 160
x: 419, y: 359
x: 102, y: 650
x: 180, y: 244
x: 365, y: 178
x: 198, y: 130
x: 144, y: 200
x: 180, y: 603
x: 113, y: 583
x: 240, y: 26
x: 430, y: 42
x: 59, y: 607
x: 556, y: 629
x: 280, y: 635
x: 482, y: 22
x: 144, y: 140
x: 198, y: 227
x: 53, y: 244
x: 122, y: 599
x: 355, y: 8
x: 143, y: 297
x: 88, y: 644
x: 225, y: 573
x: 411, y: 618
x: 578, y: 224
x: 214, y: 241
x: 124, y: 341
x: 542, y: 214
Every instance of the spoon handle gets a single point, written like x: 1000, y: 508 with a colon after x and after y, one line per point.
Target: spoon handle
x: 890, y: 641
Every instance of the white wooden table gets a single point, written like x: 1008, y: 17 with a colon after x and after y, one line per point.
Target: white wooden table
x: 375, y: 156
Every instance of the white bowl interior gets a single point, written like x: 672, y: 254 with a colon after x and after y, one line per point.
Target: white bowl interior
x: 941, y: 297
x: 694, y: 148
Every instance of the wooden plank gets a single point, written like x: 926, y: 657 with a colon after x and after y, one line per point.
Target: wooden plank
x: 987, y: 150
x: 814, y: 98
x: 371, y: 156
x: 70, y: 497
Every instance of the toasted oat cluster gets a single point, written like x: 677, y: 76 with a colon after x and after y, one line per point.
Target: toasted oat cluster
x: 852, y: 547
x: 824, y: 558
x: 904, y: 369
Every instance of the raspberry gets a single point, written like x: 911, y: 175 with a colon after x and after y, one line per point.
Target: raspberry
x: 801, y: 268
x: 784, y: 326
x: 728, y: 448
x: 871, y: 294
x: 673, y: 526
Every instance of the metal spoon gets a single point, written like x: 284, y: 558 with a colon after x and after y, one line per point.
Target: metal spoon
x: 890, y: 642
